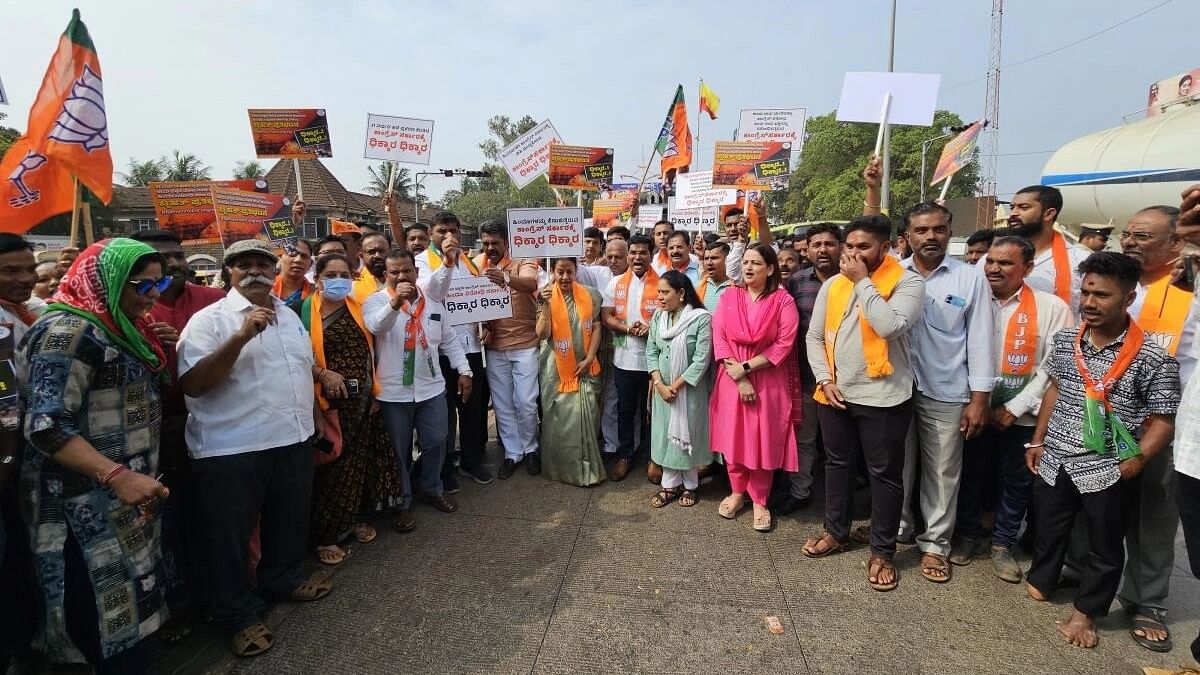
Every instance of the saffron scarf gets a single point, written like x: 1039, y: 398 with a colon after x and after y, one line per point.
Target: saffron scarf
x: 648, y: 302
x: 365, y: 285
x: 1017, y: 361
x: 1062, y: 267
x: 316, y: 332
x: 414, y: 333
x: 1098, y: 415
x: 837, y: 303
x: 305, y: 290
x: 561, y: 336
x: 483, y: 264
x: 1164, y: 312
x: 435, y: 260
x: 92, y: 287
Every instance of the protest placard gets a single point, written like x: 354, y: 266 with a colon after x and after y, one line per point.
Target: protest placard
x: 648, y: 215
x: 291, y: 133
x: 913, y: 97
x: 185, y: 208
x: 785, y: 125
x: 752, y: 165
x: 580, y: 167
x: 280, y: 231
x: 694, y: 190
x: 244, y: 215
x: 398, y: 139
x: 529, y: 156
x: 546, y: 232
x: 957, y: 153
x: 342, y: 227
x: 606, y: 212
x: 703, y: 219
x: 472, y: 299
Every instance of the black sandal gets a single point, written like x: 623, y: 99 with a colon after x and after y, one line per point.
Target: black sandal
x: 1144, y: 622
x: 663, y: 497
x: 688, y: 498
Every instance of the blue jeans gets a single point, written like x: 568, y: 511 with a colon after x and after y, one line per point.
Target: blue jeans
x: 429, y: 419
x: 995, y: 456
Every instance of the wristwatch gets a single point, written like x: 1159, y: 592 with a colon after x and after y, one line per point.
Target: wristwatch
x: 746, y: 366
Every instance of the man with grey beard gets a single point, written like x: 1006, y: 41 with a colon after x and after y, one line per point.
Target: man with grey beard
x: 246, y: 367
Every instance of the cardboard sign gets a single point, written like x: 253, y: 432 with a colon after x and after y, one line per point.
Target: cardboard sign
x: 342, y: 227
x: 693, y: 220
x: 185, y: 208
x: 473, y: 299
x: 398, y: 139
x: 529, y: 156
x: 694, y: 190
x: 751, y: 165
x: 580, y: 167
x: 280, y: 231
x: 545, y: 233
x: 914, y: 97
x: 607, y: 212
x: 244, y: 215
x: 784, y: 125
x: 648, y: 215
x: 290, y: 133
x: 957, y: 153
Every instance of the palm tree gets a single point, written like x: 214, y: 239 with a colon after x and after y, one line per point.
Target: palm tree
x: 401, y: 190
x: 141, y: 174
x: 251, y: 169
x: 186, y: 166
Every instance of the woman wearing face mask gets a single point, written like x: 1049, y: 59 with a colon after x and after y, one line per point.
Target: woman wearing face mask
x: 355, y: 471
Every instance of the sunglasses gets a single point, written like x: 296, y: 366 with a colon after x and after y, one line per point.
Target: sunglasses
x: 143, y: 286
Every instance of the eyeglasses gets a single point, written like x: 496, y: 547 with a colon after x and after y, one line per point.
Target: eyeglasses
x: 1137, y: 236
x: 143, y: 286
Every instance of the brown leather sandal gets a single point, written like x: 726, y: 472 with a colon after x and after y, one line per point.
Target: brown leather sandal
x: 314, y: 588
x: 877, y: 564
x: 664, y: 496
x: 932, y: 564
x: 831, y: 545
x: 252, y: 641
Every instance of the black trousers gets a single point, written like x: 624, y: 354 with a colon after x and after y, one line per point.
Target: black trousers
x: 20, y: 597
x: 469, y: 416
x: 271, y: 489
x: 877, y: 436
x: 183, y: 547
x: 1187, y: 491
x: 632, y: 387
x: 1104, y: 519
x: 83, y: 621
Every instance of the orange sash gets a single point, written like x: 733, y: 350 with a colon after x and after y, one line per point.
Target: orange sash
x: 562, y: 339
x: 317, y: 335
x: 649, y: 299
x: 306, y: 288
x: 1062, y: 268
x: 1164, y: 312
x: 1018, y: 360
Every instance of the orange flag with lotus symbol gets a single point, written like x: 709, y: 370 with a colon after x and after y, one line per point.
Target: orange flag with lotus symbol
x: 66, y: 138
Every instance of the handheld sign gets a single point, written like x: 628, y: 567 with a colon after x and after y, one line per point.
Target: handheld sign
x: 746, y: 165
x: 185, y: 208
x: 580, y: 167
x: 529, y: 156
x: 606, y: 212
x: 474, y: 299
x: 694, y: 190
x: 545, y: 233
x: 291, y: 133
x: 784, y: 125
x: 243, y: 215
x: 957, y: 153
x: 280, y: 231
x: 398, y: 139
x: 913, y: 97
x: 704, y: 219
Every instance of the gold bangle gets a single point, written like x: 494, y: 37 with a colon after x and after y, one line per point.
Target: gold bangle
x: 871, y: 206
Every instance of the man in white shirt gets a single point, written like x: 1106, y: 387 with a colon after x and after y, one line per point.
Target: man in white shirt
x: 628, y: 303
x: 1024, y: 322
x: 246, y: 367
x: 437, y: 266
x: 410, y: 328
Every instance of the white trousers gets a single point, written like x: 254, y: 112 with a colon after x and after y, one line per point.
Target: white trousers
x: 513, y: 378
x: 673, y: 478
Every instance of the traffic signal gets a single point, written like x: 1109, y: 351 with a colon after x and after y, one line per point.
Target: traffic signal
x: 477, y: 174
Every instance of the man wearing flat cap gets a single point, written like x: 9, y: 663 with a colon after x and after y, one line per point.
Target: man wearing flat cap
x: 246, y: 368
x: 1094, y: 239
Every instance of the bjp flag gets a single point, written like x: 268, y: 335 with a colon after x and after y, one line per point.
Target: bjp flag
x: 67, y: 136
x: 674, y: 143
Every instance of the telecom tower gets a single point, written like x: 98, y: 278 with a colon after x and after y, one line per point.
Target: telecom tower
x: 990, y: 142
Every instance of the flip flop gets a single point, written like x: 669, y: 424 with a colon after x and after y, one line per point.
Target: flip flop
x: 1144, y: 623
x: 884, y: 563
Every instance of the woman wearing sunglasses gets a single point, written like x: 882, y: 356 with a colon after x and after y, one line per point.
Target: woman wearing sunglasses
x: 90, y: 371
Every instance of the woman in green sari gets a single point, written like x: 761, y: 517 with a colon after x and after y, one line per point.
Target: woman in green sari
x: 568, y: 325
x: 678, y: 353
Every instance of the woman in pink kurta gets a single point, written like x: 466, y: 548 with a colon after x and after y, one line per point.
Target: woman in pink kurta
x: 751, y: 404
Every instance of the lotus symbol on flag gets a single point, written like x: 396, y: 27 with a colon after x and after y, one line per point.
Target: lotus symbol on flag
x: 82, y: 119
x: 32, y: 162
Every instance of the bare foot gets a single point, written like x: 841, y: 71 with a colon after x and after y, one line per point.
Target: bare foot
x: 1035, y: 593
x: 1079, y: 630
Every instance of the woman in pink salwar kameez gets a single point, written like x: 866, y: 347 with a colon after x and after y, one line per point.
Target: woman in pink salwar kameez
x: 751, y: 405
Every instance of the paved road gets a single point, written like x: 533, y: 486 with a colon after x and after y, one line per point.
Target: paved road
x: 531, y: 576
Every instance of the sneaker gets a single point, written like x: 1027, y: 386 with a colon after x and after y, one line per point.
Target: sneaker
x: 1005, y: 565
x: 478, y: 474
x: 450, y: 484
x: 533, y: 463
x: 506, y: 469
x: 963, y: 550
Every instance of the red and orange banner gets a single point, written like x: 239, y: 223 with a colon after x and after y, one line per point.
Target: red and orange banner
x: 580, y: 167
x: 244, y: 215
x: 290, y: 133
x: 186, y: 207
x: 957, y: 153
x: 751, y: 165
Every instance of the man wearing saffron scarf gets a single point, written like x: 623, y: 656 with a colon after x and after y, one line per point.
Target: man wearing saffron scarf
x: 1109, y: 383
x: 628, y: 303
x: 858, y: 347
x: 1024, y: 321
x: 1164, y: 311
x: 1056, y: 265
x: 680, y: 257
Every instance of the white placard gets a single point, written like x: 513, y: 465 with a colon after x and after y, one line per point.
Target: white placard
x: 472, y: 299
x: 545, y: 233
x: 914, y: 97
x: 694, y: 190
x: 693, y: 220
x: 647, y: 217
x: 529, y: 156
x: 398, y: 139
x: 785, y: 125
x: 3, y: 96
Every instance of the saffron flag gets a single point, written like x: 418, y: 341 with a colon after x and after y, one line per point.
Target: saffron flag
x: 675, y: 140
x: 957, y: 154
x: 709, y: 101
x: 67, y: 136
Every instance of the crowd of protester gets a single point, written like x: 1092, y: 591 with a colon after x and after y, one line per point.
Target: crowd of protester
x: 203, y: 449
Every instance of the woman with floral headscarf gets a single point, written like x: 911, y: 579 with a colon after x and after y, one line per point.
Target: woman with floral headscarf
x: 92, y: 367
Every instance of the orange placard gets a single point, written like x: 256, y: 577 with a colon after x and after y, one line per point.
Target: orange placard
x: 342, y: 227
x: 186, y: 208
x: 580, y: 167
x: 957, y: 153
x: 290, y: 133
x: 606, y: 212
x: 244, y: 215
x: 751, y: 165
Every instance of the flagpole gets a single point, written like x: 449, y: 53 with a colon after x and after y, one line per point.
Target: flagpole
x: 299, y: 184
x: 75, y: 204
x: 696, y: 145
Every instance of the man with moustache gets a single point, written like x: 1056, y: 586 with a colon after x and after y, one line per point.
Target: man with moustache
x: 616, y: 255
x: 715, y: 279
x: 416, y: 238
x: 246, y: 367
x: 680, y: 258
x: 371, y: 276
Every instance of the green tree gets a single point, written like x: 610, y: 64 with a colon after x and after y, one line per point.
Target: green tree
x: 139, y: 174
x: 185, y: 166
x: 827, y: 183
x: 8, y: 136
x: 401, y: 189
x: 249, y: 170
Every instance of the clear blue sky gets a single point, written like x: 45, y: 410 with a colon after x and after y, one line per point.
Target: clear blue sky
x: 181, y: 75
